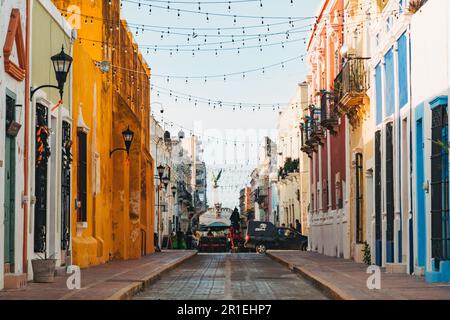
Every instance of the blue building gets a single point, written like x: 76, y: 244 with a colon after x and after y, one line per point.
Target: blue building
x: 391, y: 226
x: 430, y: 89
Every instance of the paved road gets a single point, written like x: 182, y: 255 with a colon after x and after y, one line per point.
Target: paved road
x: 231, y: 276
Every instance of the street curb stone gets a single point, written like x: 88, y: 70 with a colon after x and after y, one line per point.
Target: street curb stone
x: 320, y: 283
x: 129, y: 291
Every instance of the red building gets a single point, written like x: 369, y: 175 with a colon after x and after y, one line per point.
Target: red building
x: 323, y: 135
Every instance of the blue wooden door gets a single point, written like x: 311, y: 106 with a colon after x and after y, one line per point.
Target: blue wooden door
x: 421, y: 210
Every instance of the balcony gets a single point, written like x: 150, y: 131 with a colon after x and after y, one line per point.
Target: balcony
x: 290, y: 166
x: 317, y: 134
x: 350, y: 88
x: 312, y: 136
x: 306, y: 148
x: 329, y: 115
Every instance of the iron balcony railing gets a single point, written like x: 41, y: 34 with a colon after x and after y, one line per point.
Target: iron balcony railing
x: 328, y: 112
x: 352, y: 82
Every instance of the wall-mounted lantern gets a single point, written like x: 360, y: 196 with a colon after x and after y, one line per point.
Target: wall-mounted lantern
x: 61, y: 65
x: 128, y: 137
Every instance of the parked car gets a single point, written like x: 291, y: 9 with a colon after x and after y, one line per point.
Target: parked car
x: 262, y: 235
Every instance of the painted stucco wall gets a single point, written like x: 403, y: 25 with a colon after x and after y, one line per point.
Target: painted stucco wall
x: 49, y: 33
x: 327, y: 223
x: 430, y: 38
x: 18, y: 88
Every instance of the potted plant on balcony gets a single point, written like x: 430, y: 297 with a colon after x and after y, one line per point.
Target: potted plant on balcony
x: 415, y: 5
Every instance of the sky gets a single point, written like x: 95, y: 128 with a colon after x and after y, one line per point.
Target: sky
x: 230, y: 137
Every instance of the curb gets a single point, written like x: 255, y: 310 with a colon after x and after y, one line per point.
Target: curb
x: 129, y: 291
x: 320, y: 283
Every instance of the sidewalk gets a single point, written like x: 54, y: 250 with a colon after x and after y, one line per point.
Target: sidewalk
x: 112, y: 281
x: 346, y: 279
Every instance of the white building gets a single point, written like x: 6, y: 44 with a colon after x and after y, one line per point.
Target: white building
x: 13, y: 107
x: 429, y: 34
x: 293, y: 172
x: 161, y: 147
x: 262, y: 180
x: 389, y: 226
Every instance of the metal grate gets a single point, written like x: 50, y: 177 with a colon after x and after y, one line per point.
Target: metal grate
x: 440, y: 237
x: 389, y: 192
x: 378, y: 203
x: 66, y: 161
x: 42, y: 154
x: 359, y: 197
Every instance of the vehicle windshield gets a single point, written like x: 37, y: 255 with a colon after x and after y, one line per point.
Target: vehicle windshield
x: 288, y: 233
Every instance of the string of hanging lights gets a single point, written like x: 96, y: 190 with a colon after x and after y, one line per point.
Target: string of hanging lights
x: 224, y: 76
x: 211, y: 102
x: 207, y: 138
x: 148, y: 49
x: 168, y: 7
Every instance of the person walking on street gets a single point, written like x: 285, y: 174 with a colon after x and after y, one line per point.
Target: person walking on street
x: 298, y: 226
x: 189, y: 239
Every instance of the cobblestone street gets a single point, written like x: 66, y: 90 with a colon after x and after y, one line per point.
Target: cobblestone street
x: 231, y: 276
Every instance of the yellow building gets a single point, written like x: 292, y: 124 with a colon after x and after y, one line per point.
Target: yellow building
x: 113, y: 215
x: 351, y: 86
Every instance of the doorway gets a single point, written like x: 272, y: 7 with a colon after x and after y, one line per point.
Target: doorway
x: 421, y: 211
x: 440, y: 236
x: 42, y: 157
x: 378, y: 202
x: 10, y: 179
x: 390, y: 193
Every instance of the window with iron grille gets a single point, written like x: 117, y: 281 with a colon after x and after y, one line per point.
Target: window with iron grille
x: 42, y: 155
x: 389, y: 192
x: 82, y: 177
x: 378, y: 203
x: 440, y: 237
x: 359, y: 197
x: 66, y: 161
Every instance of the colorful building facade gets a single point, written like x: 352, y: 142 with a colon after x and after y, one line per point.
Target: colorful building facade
x: 323, y: 136
x: 51, y: 121
x: 351, y: 99
x: 293, y: 175
x: 430, y: 246
x: 391, y: 223
x: 112, y: 187
x: 14, y: 125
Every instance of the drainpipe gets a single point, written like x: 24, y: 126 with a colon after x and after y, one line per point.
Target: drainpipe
x: 26, y: 150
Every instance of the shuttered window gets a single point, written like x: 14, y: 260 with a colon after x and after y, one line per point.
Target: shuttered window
x: 378, y: 203
x: 389, y: 192
x: 379, y: 94
x: 389, y: 84
x: 82, y: 177
x: 403, y: 82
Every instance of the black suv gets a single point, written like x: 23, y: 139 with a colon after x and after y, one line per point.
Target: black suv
x: 262, y: 235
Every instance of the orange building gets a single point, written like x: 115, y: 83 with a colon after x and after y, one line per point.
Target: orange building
x: 112, y: 191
